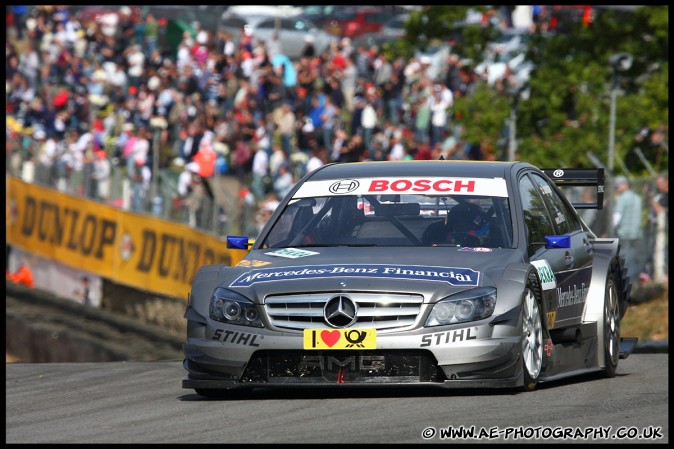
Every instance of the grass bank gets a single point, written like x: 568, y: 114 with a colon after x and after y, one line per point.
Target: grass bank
x: 648, y: 320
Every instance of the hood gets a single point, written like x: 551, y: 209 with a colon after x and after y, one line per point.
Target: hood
x: 433, y: 272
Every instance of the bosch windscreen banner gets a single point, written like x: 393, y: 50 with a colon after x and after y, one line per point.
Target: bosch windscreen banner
x: 404, y: 186
x: 453, y: 276
x: 135, y: 250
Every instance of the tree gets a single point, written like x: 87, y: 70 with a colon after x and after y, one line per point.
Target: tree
x: 567, y: 112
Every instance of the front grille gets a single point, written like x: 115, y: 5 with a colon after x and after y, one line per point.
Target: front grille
x: 375, y: 310
x: 376, y: 366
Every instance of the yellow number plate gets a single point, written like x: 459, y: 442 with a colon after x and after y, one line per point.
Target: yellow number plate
x: 340, y: 339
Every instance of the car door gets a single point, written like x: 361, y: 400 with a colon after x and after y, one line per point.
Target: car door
x: 577, y: 257
x: 564, y: 293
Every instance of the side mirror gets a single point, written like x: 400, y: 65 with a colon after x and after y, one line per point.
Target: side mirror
x: 239, y: 242
x: 557, y: 241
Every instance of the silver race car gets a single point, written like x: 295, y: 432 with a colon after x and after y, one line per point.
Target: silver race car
x: 428, y: 273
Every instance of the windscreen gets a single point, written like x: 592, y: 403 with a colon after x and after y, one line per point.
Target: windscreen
x: 393, y: 220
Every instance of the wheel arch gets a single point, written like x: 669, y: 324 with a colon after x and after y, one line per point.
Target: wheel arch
x: 606, y: 258
x: 204, y: 283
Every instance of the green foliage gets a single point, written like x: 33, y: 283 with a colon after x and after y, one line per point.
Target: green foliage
x: 572, y: 68
x: 483, y: 115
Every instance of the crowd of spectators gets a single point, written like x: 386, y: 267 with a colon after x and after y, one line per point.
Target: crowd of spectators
x: 83, y: 97
x: 92, y: 103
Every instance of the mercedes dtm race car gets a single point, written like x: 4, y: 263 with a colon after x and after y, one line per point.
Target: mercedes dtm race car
x: 431, y: 273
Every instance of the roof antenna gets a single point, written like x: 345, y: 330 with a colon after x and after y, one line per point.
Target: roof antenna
x: 441, y: 158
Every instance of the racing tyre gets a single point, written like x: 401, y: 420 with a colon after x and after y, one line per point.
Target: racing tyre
x: 611, y: 323
x: 532, y: 337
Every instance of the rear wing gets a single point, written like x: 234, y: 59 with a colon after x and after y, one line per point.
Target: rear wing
x: 579, y: 177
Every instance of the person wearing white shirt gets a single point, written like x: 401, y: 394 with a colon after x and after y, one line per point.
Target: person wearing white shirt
x: 102, y: 171
x: 368, y: 121
x: 259, y: 170
x: 439, y: 115
x: 316, y: 160
x: 284, y: 182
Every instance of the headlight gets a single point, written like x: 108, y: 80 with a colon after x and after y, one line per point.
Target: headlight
x: 470, y: 305
x: 231, y: 308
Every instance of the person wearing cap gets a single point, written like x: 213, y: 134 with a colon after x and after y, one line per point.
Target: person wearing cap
x: 627, y: 224
x: 308, y: 51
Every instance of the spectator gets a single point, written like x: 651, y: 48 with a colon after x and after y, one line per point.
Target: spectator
x: 368, y: 123
x: 135, y: 60
x: 657, y: 260
x: 150, y: 34
x: 286, y: 128
x: 109, y: 70
x: 191, y: 191
x: 284, y: 181
x: 84, y: 292
x: 259, y: 173
x: 318, y: 159
x: 627, y: 224
x: 274, y: 46
x: 192, y: 141
x: 422, y: 121
x: 330, y: 119
x: 439, y: 104
x: 101, y: 175
x: 348, y: 83
x: 277, y: 158
x: 89, y: 181
x: 140, y: 182
x: 308, y: 51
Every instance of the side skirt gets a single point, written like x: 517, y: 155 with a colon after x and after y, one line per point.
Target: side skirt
x: 571, y: 355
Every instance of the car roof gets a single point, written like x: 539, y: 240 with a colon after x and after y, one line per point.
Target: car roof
x: 435, y: 168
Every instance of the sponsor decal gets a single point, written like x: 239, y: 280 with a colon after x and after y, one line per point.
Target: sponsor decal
x: 292, y: 253
x: 545, y: 273
x: 344, y: 186
x: 571, y: 296
x: 451, y: 275
x: 477, y: 250
x: 442, y: 338
x: 550, y: 319
x: 134, y: 250
x: 340, y: 339
x: 406, y: 185
x: 560, y: 218
x: 366, y: 364
x: 237, y: 338
x: 548, y: 347
x: 558, y: 173
x: 252, y: 263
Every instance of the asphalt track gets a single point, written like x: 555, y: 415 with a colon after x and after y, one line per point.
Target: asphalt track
x: 143, y: 402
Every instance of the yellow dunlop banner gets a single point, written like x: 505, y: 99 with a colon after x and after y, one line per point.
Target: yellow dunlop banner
x: 139, y: 251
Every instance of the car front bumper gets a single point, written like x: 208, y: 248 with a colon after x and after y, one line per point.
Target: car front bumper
x: 472, y: 356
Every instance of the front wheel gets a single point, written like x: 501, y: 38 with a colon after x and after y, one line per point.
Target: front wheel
x: 611, y: 323
x: 532, y: 339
